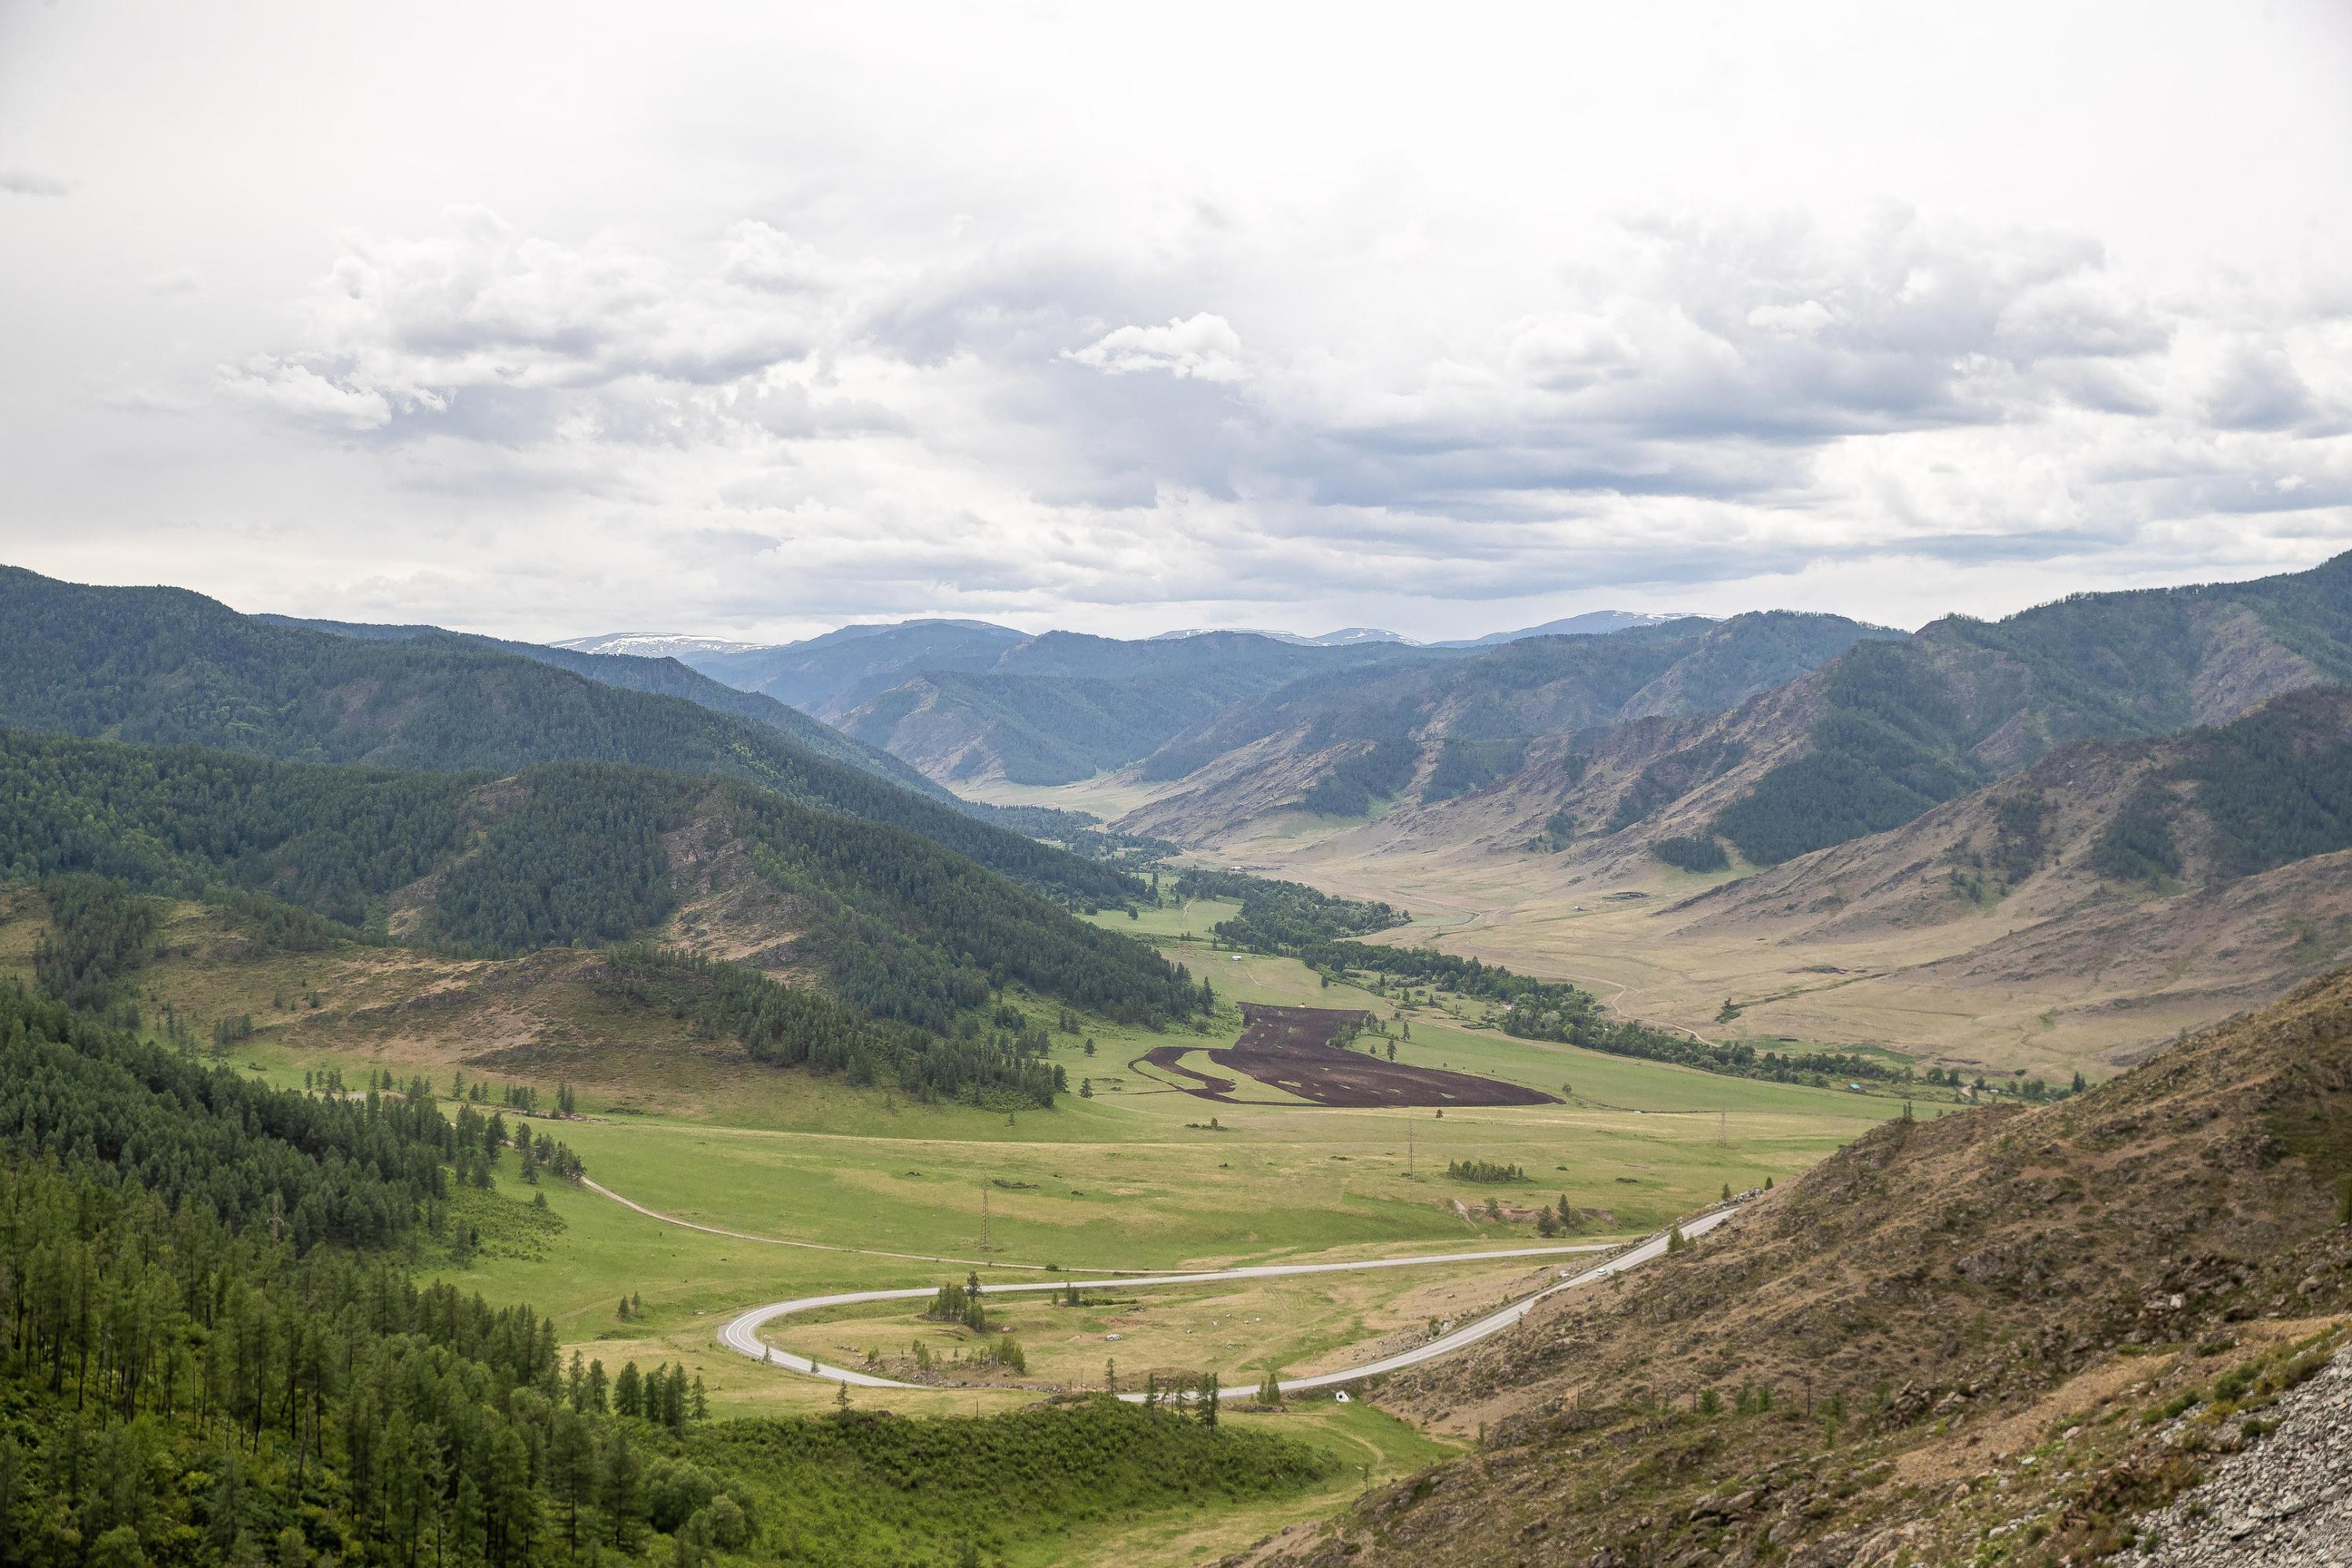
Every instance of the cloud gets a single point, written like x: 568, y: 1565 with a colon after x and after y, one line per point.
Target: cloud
x: 761, y: 420
x: 25, y: 183
x: 301, y: 393
x: 1203, y: 348
x: 2257, y: 388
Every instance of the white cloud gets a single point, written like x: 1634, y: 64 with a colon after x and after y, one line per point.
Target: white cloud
x: 1202, y: 348
x: 301, y: 393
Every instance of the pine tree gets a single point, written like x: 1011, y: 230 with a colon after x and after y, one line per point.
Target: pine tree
x: 620, y: 1494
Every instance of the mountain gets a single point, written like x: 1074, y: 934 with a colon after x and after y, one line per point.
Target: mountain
x: 575, y: 854
x: 1434, y: 729
x: 663, y: 677
x: 1902, y: 726
x: 656, y: 645
x: 829, y: 675
x: 1063, y: 706
x: 1592, y: 623
x: 1893, y: 726
x: 2001, y: 1335
x: 165, y: 665
x: 2105, y: 896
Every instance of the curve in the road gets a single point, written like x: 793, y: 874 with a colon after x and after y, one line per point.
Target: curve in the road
x: 742, y: 1333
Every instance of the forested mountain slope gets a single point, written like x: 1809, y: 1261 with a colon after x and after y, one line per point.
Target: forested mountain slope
x: 161, y: 665
x: 1994, y: 1337
x: 1904, y: 726
x: 576, y: 853
x: 1052, y: 709
x: 664, y: 676
x: 1434, y: 730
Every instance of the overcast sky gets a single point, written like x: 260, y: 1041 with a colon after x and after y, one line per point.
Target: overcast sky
x: 554, y: 319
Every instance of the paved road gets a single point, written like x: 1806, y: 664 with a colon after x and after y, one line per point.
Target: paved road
x: 742, y: 1334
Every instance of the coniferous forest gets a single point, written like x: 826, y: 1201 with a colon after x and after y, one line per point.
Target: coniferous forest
x: 912, y: 938
x: 212, y: 1351
x: 168, y: 666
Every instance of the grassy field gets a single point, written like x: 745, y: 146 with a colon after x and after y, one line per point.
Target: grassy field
x: 1293, y: 1327
x: 1135, y: 1177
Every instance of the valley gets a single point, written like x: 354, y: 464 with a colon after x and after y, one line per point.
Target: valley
x: 1333, y: 1061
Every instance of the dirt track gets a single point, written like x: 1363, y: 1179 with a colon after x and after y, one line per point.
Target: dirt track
x: 1291, y: 1050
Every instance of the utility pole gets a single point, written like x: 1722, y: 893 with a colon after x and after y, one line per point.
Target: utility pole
x: 1408, y: 1143
x: 983, y: 1219
x: 1723, y: 1129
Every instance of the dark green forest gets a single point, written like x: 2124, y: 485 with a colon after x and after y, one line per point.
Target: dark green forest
x: 1277, y: 916
x: 1690, y: 853
x: 168, y: 666
x: 1358, y: 780
x: 661, y: 677
x: 212, y: 1350
x: 570, y: 854
x: 2273, y: 787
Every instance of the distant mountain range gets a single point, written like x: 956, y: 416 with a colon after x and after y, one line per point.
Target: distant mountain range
x: 968, y: 701
x: 670, y: 645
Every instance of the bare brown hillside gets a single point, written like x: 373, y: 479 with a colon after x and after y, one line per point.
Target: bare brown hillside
x: 2020, y: 1327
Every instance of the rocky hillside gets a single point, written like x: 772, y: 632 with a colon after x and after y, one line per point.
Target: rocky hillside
x: 2001, y: 1336
x: 1873, y: 738
x: 1520, y: 722
x: 2210, y: 868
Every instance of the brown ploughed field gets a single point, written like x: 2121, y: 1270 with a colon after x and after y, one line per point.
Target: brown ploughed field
x: 1291, y: 1049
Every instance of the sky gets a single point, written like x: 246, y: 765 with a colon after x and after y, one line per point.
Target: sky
x: 748, y: 321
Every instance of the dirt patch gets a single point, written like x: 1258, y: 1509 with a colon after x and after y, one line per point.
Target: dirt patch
x: 1291, y: 1049
x: 1170, y: 1059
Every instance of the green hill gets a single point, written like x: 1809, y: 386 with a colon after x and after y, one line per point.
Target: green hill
x: 573, y: 853
x: 663, y: 677
x: 167, y: 666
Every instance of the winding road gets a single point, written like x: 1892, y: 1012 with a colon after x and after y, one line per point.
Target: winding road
x: 742, y: 1333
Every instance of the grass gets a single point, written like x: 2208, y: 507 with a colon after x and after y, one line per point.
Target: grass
x: 1294, y: 1326
x: 1129, y: 1179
